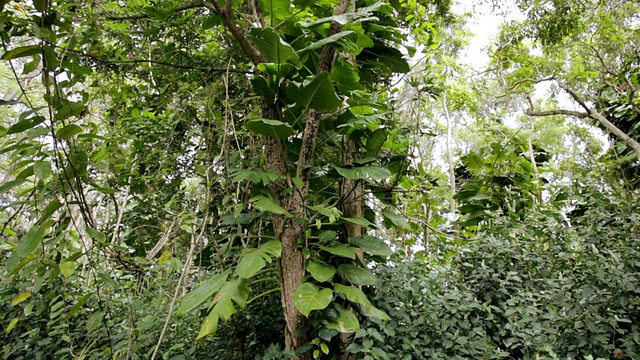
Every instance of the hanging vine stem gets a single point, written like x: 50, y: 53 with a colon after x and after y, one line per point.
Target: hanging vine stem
x: 187, y: 266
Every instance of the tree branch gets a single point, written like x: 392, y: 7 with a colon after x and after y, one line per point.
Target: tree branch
x: 593, y: 114
x: 309, y: 137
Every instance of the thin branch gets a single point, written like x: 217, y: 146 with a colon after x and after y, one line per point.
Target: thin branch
x: 593, y: 114
x: 553, y: 112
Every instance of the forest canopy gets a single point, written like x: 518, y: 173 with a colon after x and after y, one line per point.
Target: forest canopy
x: 335, y: 179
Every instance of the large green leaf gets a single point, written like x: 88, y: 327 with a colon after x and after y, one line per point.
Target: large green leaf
x: 309, y: 297
x: 320, y: 271
x: 272, y: 47
x: 253, y: 260
x: 274, y: 128
x: 256, y: 176
x: 357, y: 275
x: 265, y: 204
x: 371, y: 245
x: 347, y: 322
x: 328, y: 40
x: 275, y: 10
x: 356, y: 295
x: 398, y: 221
x: 26, y: 124
x: 209, y: 325
x: 69, y: 131
x: 317, y: 93
x: 364, y: 172
x: 201, y: 294
x: 341, y: 250
x: 26, y: 245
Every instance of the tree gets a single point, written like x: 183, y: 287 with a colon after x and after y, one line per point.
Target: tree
x: 141, y: 149
x: 580, y: 47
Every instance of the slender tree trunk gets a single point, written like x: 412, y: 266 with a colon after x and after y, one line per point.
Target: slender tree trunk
x: 452, y: 171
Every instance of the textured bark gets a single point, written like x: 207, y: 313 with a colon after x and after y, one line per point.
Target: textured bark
x: 290, y: 231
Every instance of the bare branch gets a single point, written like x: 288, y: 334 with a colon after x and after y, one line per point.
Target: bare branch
x: 577, y: 114
x: 593, y: 114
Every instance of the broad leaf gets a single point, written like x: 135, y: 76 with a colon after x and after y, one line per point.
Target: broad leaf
x: 309, y: 297
x: 69, y: 131
x: 201, y: 294
x: 356, y: 275
x: 341, y: 250
x: 94, y: 321
x: 364, y: 172
x: 397, y: 220
x: 252, y: 261
x: 356, y: 295
x: 209, y: 326
x: 275, y: 10
x: 67, y: 268
x: 265, y: 204
x: 275, y: 128
x: 272, y: 47
x: 347, y: 322
x: 320, y: 271
x: 21, y: 52
x: 328, y: 40
x: 318, y: 94
x: 26, y: 245
x: 371, y: 245
x: 256, y: 176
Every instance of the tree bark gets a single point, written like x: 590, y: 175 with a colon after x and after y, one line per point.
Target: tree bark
x: 290, y: 231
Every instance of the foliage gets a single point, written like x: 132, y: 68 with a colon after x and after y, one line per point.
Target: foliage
x: 536, y: 288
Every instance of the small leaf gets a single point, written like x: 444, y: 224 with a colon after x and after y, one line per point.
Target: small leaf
x: 21, y: 52
x: 53, y: 206
x: 265, y: 204
x: 359, y: 221
x: 20, y: 298
x: 11, y: 184
x: 31, y: 65
x: 201, y: 294
x: 23, y: 125
x: 67, y: 268
x: 69, y: 131
x: 375, y: 141
x: 320, y: 271
x: 42, y: 169
x: 96, y: 235
x: 356, y: 275
x: 371, y: 245
x: 12, y: 324
x: 26, y: 245
x: 347, y: 322
x: 341, y: 250
x: 309, y: 297
x: 94, y: 321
